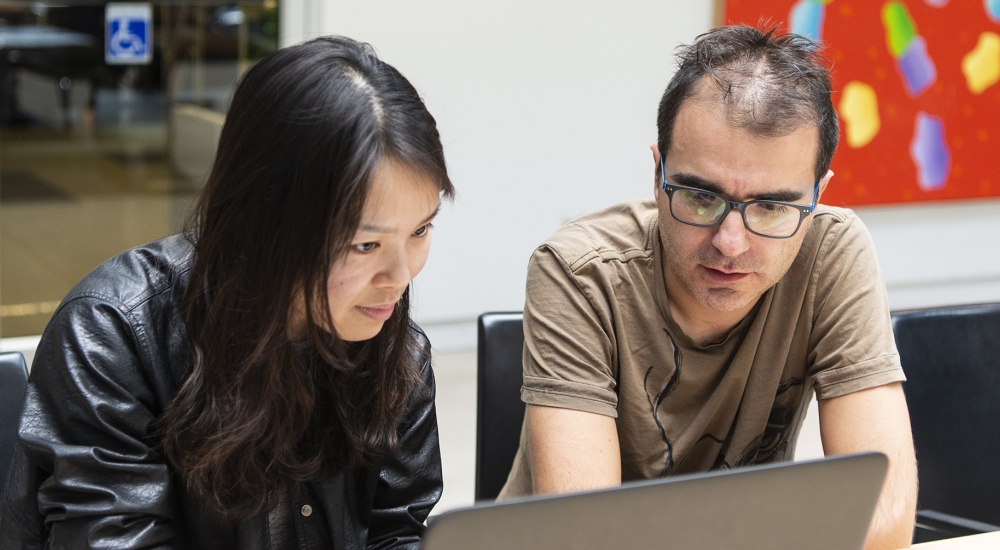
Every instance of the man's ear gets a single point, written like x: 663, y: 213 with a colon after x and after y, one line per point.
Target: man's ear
x: 656, y: 154
x: 823, y: 183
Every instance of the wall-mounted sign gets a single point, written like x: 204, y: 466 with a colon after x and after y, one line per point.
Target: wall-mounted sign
x: 128, y: 31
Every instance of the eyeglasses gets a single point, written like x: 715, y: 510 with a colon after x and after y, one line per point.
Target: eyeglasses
x: 700, y: 208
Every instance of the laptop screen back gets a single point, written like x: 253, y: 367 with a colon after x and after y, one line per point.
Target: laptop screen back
x: 820, y: 505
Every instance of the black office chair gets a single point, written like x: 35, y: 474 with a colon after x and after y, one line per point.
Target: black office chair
x: 951, y: 357
x: 500, y: 410
x: 13, y: 381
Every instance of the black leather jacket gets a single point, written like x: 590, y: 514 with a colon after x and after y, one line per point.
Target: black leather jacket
x: 87, y: 474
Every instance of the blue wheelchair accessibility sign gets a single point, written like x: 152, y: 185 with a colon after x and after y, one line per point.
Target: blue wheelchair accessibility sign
x: 128, y: 32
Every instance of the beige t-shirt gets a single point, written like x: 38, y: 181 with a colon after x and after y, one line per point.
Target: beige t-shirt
x: 599, y: 338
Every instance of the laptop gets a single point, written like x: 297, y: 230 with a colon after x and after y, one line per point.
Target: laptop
x: 825, y: 504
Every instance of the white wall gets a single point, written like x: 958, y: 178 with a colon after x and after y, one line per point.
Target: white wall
x: 547, y: 110
x: 938, y: 254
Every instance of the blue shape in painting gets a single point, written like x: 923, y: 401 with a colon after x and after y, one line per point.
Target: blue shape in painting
x: 930, y: 152
x: 993, y: 10
x: 916, y: 67
x: 807, y: 19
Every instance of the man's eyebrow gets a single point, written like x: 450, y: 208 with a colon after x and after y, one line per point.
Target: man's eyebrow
x: 369, y: 228
x: 691, y: 180
x: 781, y: 196
x: 698, y: 182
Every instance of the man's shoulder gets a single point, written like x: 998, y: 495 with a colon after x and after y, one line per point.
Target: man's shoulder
x: 835, y: 227
x: 833, y: 218
x: 621, y: 233
x: 836, y: 240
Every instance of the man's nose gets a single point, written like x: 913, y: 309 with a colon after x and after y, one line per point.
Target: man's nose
x: 731, y: 236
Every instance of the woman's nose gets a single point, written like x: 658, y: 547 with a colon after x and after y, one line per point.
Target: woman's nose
x: 396, y: 271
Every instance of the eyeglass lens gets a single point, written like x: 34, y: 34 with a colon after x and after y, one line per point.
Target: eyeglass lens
x: 705, y: 208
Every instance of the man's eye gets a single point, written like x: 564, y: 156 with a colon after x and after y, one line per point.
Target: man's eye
x: 364, y: 247
x: 424, y: 229
x: 704, y: 200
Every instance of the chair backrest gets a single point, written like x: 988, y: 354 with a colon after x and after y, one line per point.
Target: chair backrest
x: 13, y: 381
x: 500, y: 410
x: 951, y: 357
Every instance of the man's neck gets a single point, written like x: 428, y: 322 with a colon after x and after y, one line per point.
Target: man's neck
x: 699, y: 323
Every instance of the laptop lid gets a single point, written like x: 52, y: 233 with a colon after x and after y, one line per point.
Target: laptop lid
x: 820, y: 505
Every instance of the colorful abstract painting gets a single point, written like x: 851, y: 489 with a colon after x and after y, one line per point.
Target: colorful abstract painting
x: 917, y: 87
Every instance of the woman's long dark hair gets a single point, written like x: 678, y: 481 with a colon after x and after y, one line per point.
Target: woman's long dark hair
x: 307, y: 128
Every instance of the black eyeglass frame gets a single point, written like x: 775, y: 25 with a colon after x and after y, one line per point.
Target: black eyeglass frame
x: 803, y: 210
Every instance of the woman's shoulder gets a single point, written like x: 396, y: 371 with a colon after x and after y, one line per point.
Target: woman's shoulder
x: 124, y: 318
x: 135, y: 276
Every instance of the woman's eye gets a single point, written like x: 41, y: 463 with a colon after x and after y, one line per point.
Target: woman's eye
x: 423, y: 230
x: 364, y: 247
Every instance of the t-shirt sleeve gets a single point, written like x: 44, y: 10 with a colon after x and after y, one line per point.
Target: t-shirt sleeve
x: 852, y: 344
x: 567, y: 349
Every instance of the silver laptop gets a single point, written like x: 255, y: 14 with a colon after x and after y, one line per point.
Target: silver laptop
x: 819, y: 505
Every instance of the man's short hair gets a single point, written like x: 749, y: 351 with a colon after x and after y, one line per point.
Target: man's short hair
x: 770, y: 84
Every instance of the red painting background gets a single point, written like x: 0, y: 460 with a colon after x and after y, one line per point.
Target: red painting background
x: 882, y: 171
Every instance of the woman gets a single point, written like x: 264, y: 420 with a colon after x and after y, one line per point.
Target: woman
x: 257, y: 381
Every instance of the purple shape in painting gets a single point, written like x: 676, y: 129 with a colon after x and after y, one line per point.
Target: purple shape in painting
x: 916, y: 67
x: 930, y: 152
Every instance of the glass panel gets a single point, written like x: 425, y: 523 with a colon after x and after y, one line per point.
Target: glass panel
x: 98, y: 157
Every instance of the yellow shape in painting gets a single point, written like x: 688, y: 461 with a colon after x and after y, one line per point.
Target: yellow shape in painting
x: 859, y: 109
x: 981, y: 66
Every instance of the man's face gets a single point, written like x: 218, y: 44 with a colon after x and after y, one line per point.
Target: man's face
x: 726, y: 268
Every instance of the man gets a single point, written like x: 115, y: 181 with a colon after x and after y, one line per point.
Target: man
x: 687, y: 333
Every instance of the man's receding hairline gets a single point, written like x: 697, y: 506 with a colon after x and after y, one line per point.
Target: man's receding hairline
x: 707, y: 91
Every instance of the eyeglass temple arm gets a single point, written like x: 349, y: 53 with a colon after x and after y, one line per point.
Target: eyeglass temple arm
x: 815, y: 200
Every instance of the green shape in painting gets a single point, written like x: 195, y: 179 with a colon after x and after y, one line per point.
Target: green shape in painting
x: 899, y: 27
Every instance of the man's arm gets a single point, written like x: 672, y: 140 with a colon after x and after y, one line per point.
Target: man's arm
x: 572, y: 450
x: 876, y: 419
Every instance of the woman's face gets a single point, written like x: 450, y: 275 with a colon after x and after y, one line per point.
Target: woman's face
x: 388, y: 250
